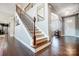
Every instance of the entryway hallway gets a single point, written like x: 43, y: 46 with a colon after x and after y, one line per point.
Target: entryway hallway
x: 40, y: 30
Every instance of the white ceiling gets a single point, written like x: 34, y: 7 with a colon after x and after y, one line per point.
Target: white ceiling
x: 7, y: 10
x: 64, y: 9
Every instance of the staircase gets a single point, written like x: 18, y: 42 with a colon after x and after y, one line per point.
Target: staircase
x: 39, y: 40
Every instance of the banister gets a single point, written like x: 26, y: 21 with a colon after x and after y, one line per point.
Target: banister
x: 23, y: 12
x: 28, y: 21
x: 17, y: 6
x: 27, y: 6
x: 22, y: 16
x: 30, y: 5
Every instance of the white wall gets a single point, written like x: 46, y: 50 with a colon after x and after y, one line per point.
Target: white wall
x: 32, y: 12
x: 43, y: 25
x: 55, y: 22
x: 22, y: 35
x: 7, y: 12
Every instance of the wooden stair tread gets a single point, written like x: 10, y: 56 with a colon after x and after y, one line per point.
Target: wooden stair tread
x: 41, y: 38
x: 42, y: 47
x: 40, y: 41
x: 35, y: 32
x: 38, y: 36
x: 35, y: 29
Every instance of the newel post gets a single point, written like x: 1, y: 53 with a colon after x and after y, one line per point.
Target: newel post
x: 34, y: 37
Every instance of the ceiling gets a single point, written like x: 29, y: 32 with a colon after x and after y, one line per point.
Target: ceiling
x: 7, y: 10
x: 64, y: 9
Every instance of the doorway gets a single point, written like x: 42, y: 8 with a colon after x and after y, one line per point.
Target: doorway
x: 70, y: 25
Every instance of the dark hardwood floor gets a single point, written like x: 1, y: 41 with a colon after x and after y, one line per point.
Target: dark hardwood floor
x: 64, y: 46
x: 15, y: 48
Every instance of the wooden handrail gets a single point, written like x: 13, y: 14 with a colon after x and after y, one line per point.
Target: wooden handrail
x: 18, y: 7
x: 30, y: 5
x: 27, y: 6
